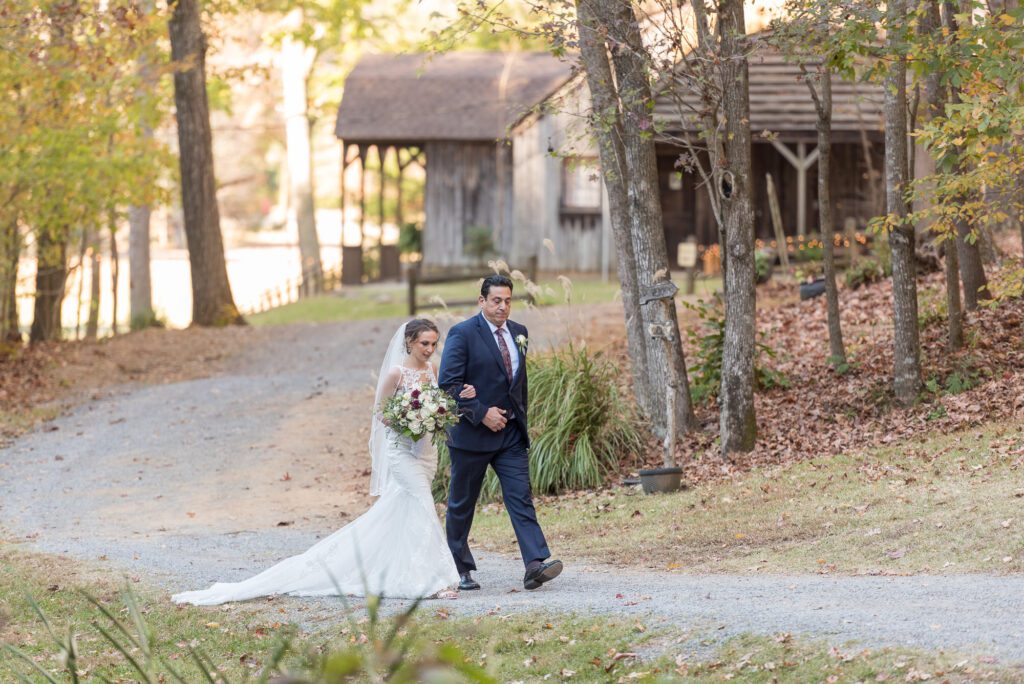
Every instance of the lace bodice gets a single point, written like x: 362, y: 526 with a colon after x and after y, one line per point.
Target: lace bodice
x: 410, y: 377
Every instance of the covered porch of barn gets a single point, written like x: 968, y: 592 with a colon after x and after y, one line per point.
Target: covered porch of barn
x: 450, y: 115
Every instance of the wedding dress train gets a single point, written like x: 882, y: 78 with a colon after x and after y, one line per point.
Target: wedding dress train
x: 395, y: 549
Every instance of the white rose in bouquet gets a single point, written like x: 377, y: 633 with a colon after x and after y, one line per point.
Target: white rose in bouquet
x: 420, y: 411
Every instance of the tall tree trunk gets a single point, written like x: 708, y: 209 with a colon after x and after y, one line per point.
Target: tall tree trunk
x: 140, y: 284
x: 52, y: 241
x: 10, y: 252
x: 955, y: 316
x: 972, y: 268
x: 51, y: 276
x: 736, y: 399
x: 1018, y: 208
x: 628, y: 158
x: 212, y: 302
x: 935, y: 95
x: 907, y: 348
x: 82, y: 249
x: 11, y: 321
x: 607, y: 126
x: 92, y: 323
x: 823, y: 104
x: 646, y: 224
x: 710, y: 123
x: 140, y: 288
x: 296, y: 61
x: 986, y: 240
x: 115, y: 274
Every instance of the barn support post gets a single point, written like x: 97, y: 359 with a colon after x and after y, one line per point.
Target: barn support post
x: 801, y: 161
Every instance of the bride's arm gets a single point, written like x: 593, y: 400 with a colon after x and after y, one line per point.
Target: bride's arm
x: 390, y: 384
x: 387, y: 390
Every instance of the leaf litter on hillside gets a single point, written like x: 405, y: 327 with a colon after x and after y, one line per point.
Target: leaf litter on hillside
x: 823, y: 413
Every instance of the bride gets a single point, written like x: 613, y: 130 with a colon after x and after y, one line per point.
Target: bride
x: 397, y: 548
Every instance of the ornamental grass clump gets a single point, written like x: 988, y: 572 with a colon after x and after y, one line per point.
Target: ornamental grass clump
x: 581, y: 426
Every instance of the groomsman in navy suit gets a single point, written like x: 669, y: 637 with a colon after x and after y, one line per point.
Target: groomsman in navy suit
x: 488, y: 351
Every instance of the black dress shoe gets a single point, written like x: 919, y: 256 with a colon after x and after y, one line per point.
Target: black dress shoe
x: 467, y: 583
x: 545, y: 572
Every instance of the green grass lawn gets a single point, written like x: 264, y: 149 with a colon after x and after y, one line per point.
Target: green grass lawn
x: 237, y: 641
x: 945, y: 504
x: 389, y: 300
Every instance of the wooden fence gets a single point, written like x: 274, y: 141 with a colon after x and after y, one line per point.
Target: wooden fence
x: 415, y: 279
x: 311, y: 282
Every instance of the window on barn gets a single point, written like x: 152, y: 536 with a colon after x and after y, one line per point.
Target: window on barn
x: 581, y: 186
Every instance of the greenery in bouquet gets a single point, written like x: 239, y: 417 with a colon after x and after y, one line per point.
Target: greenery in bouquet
x: 419, y: 411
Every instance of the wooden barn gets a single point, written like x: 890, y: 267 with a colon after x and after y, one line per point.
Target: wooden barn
x: 456, y: 111
x: 560, y: 205
x: 560, y: 197
x: 508, y: 153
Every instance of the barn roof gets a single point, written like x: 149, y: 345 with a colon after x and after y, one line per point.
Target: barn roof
x: 460, y: 96
x: 781, y: 103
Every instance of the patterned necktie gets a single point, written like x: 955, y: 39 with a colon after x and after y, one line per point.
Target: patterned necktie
x: 505, y: 356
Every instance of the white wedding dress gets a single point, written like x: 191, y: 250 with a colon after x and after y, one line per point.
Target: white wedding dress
x: 396, y: 549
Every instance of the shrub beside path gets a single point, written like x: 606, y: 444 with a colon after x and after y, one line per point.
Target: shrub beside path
x: 181, y: 484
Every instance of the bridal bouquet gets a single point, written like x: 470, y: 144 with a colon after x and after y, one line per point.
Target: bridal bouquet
x: 419, y: 411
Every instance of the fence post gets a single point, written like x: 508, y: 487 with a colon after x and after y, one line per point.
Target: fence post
x: 412, y: 275
x: 531, y: 275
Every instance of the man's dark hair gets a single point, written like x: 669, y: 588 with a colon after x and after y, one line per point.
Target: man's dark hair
x: 494, y: 281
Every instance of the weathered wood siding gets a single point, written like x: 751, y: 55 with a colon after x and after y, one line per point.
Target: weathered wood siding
x: 539, y: 146
x: 535, y: 215
x: 467, y: 185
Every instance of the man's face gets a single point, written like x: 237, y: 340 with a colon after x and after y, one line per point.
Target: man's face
x: 497, y: 305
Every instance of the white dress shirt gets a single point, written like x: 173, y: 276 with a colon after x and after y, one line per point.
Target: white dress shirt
x: 513, y: 350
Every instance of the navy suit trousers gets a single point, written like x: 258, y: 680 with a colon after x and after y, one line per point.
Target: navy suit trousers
x: 511, y: 464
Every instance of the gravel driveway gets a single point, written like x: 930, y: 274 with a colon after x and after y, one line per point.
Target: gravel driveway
x: 212, y: 479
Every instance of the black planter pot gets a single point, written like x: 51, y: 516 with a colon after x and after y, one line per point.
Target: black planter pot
x: 661, y: 480
x: 811, y: 290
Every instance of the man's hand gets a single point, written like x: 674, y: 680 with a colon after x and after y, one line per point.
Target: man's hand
x: 495, y: 419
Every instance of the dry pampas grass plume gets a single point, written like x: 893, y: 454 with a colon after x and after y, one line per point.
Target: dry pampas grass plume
x: 498, y: 266
x: 566, y: 287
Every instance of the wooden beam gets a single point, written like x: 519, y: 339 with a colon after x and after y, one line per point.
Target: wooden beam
x: 363, y: 154
x: 345, y: 163
x: 341, y: 192
x: 402, y: 165
x: 801, y: 161
x: 801, y: 191
x: 780, y: 234
x: 382, y: 154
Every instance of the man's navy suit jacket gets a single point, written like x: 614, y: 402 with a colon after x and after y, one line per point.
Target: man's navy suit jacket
x: 471, y: 357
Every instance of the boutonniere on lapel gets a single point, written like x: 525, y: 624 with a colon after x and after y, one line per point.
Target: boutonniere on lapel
x: 522, y: 342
